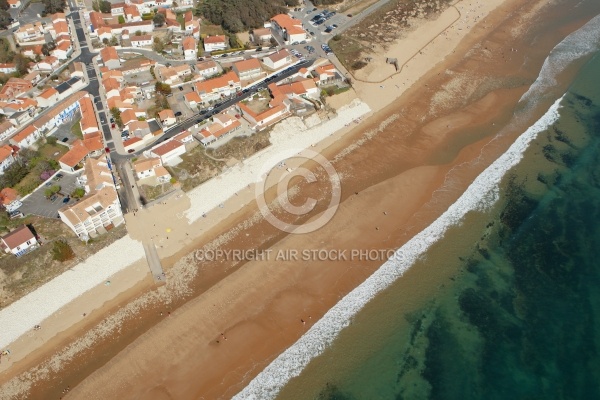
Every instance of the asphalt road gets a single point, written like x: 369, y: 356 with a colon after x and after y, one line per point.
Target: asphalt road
x: 198, y: 117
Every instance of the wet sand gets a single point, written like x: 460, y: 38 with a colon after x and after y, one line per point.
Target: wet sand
x: 259, y: 305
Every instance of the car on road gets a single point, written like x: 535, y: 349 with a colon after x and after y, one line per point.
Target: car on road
x: 349, y: 15
x: 65, y: 140
x: 334, y: 26
x: 130, y: 150
x: 178, y: 114
x: 218, y: 105
x: 311, y: 33
x: 180, y: 87
x: 314, y: 9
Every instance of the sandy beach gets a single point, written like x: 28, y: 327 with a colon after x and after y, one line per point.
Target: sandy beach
x: 216, y: 324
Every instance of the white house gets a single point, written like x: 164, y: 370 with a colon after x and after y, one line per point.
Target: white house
x: 8, y: 68
x: 151, y: 167
x: 261, y: 35
x: 290, y: 29
x: 7, y: 157
x: 278, y: 59
x: 169, y: 151
x: 167, y: 117
x: 190, y: 48
x: 20, y: 241
x: 141, y: 41
x: 7, y: 129
x: 14, y: 3
x: 208, y: 68
x: 248, y: 69
x: 217, y: 42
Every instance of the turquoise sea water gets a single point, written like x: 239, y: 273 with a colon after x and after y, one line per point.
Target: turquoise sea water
x: 521, y: 317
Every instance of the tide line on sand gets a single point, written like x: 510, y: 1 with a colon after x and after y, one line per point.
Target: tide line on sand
x: 30, y: 310
x: 482, y: 193
x: 288, y: 137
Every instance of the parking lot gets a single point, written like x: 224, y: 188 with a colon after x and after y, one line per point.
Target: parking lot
x: 177, y: 102
x: 38, y: 204
x: 32, y: 13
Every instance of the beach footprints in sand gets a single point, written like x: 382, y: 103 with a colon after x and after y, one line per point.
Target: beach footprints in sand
x: 292, y: 174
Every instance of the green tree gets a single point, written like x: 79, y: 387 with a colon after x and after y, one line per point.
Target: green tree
x: 138, y: 33
x: 52, y: 190
x: 4, y: 19
x: 105, y: 7
x: 62, y: 251
x: 116, y: 113
x: 51, y: 140
x: 22, y: 64
x: 121, y: 19
x: 159, y: 19
x: 4, y: 5
x: 158, y: 46
x: 114, y: 41
x: 162, y: 88
x: 78, y: 193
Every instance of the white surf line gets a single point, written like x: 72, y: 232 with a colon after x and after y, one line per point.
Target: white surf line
x: 482, y: 193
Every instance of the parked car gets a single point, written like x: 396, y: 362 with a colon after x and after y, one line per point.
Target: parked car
x: 130, y: 150
x: 112, y: 126
x: 112, y: 120
x: 53, y: 197
x: 178, y: 114
x: 58, y: 176
x: 65, y: 140
x: 201, y: 113
x: 210, y: 108
x: 180, y: 87
x: 66, y: 200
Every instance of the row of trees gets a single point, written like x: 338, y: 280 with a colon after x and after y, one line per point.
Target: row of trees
x: 240, y: 15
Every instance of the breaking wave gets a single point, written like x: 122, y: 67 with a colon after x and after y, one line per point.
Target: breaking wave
x: 483, y: 192
x: 322, y: 334
x: 581, y: 43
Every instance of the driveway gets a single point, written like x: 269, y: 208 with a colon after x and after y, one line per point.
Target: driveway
x: 37, y: 204
x: 177, y: 102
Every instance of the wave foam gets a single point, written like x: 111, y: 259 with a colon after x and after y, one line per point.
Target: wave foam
x: 578, y: 44
x: 321, y: 335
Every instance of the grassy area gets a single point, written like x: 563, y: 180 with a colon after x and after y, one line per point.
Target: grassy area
x: 150, y: 193
x: 347, y: 50
x: 201, y: 164
x: 76, y: 129
x: 196, y: 168
x: 242, y: 146
x: 47, y: 160
x: 19, y: 276
x: 210, y: 30
x: 53, y: 151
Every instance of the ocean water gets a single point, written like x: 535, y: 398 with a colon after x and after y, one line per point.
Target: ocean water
x: 520, y: 317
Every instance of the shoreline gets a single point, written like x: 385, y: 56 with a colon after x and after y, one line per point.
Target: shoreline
x: 187, y: 243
